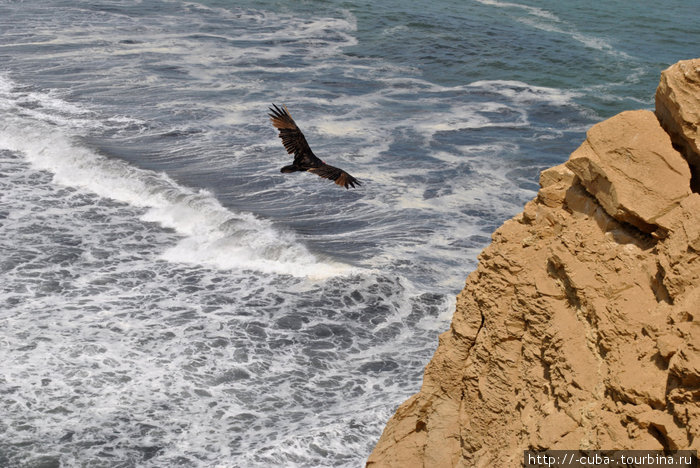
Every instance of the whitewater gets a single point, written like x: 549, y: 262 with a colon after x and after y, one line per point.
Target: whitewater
x: 169, y: 298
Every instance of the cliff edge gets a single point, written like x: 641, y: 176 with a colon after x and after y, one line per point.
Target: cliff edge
x: 580, y: 327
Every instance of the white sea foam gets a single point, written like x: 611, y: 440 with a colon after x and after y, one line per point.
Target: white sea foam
x: 127, y: 336
x: 212, y: 235
x: 212, y: 366
x: 50, y: 108
x: 530, y: 9
x: 523, y: 93
x: 548, y: 21
x: 566, y: 29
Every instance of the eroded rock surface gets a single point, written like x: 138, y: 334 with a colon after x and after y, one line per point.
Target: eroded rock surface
x: 629, y: 165
x: 580, y: 328
x: 678, y: 109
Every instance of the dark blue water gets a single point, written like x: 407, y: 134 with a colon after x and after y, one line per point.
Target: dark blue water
x: 170, y: 299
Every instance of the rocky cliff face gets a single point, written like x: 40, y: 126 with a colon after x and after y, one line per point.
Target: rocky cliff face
x: 580, y: 328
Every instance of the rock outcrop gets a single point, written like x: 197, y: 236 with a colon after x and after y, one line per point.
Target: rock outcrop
x: 618, y: 164
x: 678, y: 109
x: 580, y: 328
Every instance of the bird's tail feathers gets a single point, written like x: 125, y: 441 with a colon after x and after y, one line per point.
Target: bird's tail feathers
x: 292, y: 168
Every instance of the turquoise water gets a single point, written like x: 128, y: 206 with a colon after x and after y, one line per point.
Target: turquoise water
x: 170, y: 299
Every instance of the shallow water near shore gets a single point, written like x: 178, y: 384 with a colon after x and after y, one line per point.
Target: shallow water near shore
x: 170, y: 299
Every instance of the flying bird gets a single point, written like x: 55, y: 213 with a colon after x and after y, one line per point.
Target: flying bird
x: 304, y: 159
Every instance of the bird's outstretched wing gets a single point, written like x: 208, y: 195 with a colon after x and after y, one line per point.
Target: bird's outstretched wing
x: 292, y: 138
x: 304, y: 159
x: 339, y: 176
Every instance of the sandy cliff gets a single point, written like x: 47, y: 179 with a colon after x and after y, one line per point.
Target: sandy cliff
x: 580, y: 328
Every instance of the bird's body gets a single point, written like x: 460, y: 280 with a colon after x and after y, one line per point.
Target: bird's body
x: 304, y: 159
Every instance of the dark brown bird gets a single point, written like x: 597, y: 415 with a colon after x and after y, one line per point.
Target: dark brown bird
x: 304, y: 159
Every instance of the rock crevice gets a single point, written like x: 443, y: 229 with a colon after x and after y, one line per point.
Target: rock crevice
x: 580, y: 328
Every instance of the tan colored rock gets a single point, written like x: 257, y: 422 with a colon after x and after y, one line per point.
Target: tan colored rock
x: 578, y: 329
x: 685, y: 363
x: 678, y: 108
x: 672, y: 436
x: 678, y: 267
x: 640, y: 380
x: 668, y: 345
x: 630, y: 166
x: 554, y: 182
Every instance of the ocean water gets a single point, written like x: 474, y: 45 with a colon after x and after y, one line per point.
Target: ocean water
x: 168, y: 298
